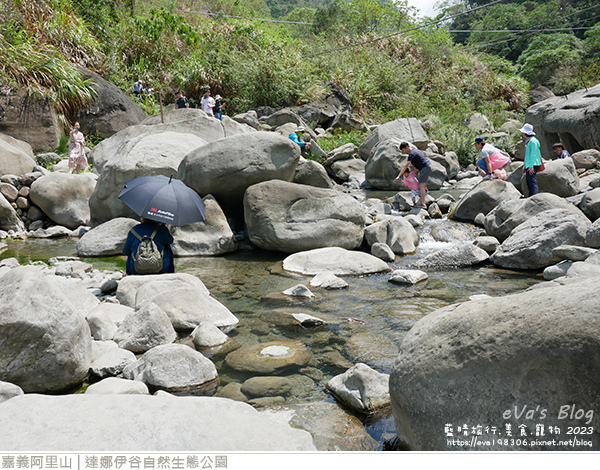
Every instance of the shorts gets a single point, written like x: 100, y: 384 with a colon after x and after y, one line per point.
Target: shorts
x: 415, y: 193
x: 424, y: 174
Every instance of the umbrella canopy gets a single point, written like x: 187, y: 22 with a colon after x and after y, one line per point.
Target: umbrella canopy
x: 163, y: 199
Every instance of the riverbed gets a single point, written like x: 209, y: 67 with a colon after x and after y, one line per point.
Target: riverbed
x: 363, y: 323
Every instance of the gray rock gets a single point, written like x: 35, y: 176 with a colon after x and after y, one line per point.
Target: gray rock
x: 449, y: 161
x: 592, y: 236
x: 112, y: 362
x: 107, y: 239
x: 228, y: 167
x: 47, y: 343
x: 361, y: 388
x: 186, y: 304
x: 590, y: 204
x: 81, y: 299
x: 269, y: 358
x: 8, y: 391
x: 9, y: 192
x: 501, y: 221
x: 583, y: 269
x: 559, y: 177
x: 209, y: 238
x: 79, y: 422
x: 299, y: 290
x: 343, y: 152
x: 117, y: 386
x: 328, y: 280
x: 174, y: 368
x: 405, y: 129
x: 556, y: 271
x: 64, y: 198
x: 115, y: 312
x: 395, y: 232
x: 135, y: 151
x: 16, y: 156
x: 100, y: 348
x: 145, y: 329
x: 342, y: 169
x: 573, y: 253
x: 9, y: 219
x: 312, y: 173
x: 336, y: 260
x: 482, y: 199
x: 266, y: 387
x: 456, y: 256
x: 102, y: 327
x: 207, y: 335
x: 586, y: 159
x: 531, y: 244
x: 382, y: 251
x: 407, y: 277
x: 290, y: 217
x: 489, y: 244
x: 484, y: 349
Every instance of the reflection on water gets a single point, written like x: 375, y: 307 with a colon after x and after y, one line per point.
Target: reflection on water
x: 364, y: 323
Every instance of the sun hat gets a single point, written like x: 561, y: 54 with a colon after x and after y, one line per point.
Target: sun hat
x: 179, y: 92
x: 478, y: 140
x: 218, y: 97
x: 300, y: 129
x: 527, y: 129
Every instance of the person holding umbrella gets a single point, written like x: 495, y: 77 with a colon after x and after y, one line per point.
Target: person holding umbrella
x: 148, y: 249
x: 157, y: 200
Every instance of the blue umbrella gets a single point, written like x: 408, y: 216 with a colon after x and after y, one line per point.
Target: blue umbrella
x: 163, y: 199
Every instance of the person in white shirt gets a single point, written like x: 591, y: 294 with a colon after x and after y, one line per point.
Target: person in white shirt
x: 208, y: 103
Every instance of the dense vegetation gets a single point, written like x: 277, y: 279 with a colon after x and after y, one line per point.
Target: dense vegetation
x: 418, y: 69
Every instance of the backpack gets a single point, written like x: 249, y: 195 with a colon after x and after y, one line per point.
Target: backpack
x: 148, y: 259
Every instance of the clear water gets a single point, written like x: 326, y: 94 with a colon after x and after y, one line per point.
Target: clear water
x: 364, y: 322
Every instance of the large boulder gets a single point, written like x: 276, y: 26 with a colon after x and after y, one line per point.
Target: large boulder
x: 226, y: 168
x: 312, y: 173
x: 46, y: 343
x: 590, y: 204
x: 132, y: 152
x: 79, y: 423
x: 16, y: 156
x: 449, y: 161
x: 209, y: 238
x: 336, y: 260
x: 183, y: 297
x: 573, y: 119
x: 559, y: 177
x: 291, y: 217
x: 509, y: 214
x: 107, y: 239
x: 110, y: 111
x: 586, y: 159
x: 9, y: 219
x: 30, y: 118
x: 482, y: 199
x: 395, y: 232
x: 342, y: 169
x: 175, y: 368
x: 457, y: 256
x: 531, y: 245
x: 501, y: 361
x: 64, y: 198
x: 386, y: 161
x: 405, y: 129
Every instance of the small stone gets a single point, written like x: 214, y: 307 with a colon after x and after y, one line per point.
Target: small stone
x: 299, y: 290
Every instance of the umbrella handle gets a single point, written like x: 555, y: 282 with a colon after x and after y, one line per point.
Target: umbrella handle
x: 170, y: 178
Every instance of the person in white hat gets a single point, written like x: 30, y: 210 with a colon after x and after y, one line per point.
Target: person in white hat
x: 296, y: 137
x: 218, y: 109
x: 533, y: 158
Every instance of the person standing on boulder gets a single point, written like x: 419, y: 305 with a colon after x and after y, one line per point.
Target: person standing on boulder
x: 77, y: 158
x: 533, y: 158
x: 181, y: 102
x: 208, y: 103
x: 218, y: 109
x: 419, y: 162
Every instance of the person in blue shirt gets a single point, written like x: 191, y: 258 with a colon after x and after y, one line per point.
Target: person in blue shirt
x: 419, y: 162
x: 296, y: 137
x: 559, y: 150
x: 163, y: 240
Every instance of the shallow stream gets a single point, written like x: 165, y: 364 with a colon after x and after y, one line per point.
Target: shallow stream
x: 364, y: 322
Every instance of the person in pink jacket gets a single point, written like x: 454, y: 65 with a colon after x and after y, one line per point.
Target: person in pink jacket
x: 491, y: 160
x: 411, y: 181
